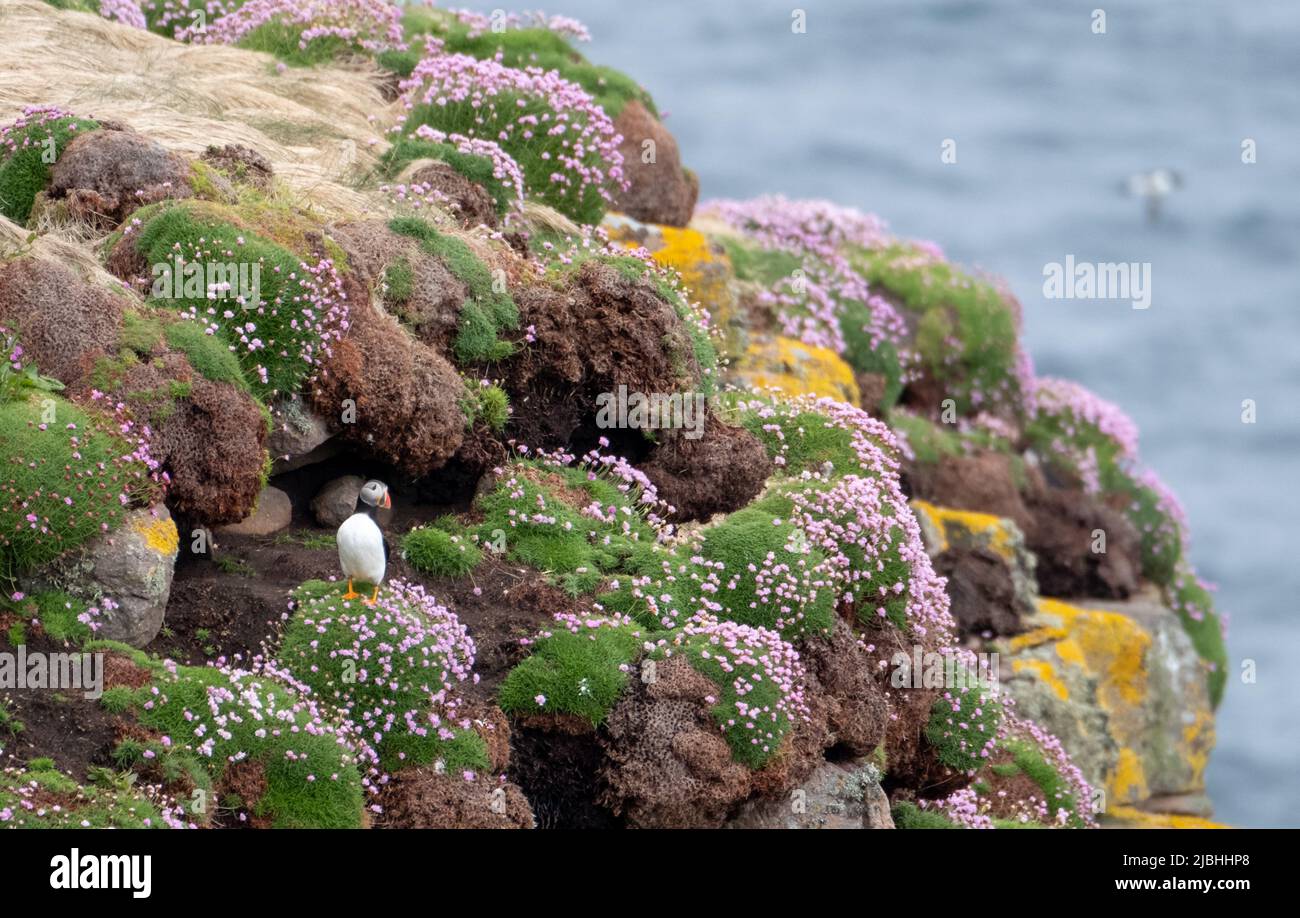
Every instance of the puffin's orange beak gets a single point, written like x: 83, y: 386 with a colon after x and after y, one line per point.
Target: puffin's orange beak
x: 388, y: 500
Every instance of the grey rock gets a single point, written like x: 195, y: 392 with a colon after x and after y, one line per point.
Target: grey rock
x: 273, y: 512
x: 835, y: 796
x: 337, y: 500
x: 1120, y: 684
x: 132, y: 565
x: 300, y: 437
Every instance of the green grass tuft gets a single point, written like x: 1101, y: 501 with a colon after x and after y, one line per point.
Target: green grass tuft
x: 440, y: 554
x: 581, y: 674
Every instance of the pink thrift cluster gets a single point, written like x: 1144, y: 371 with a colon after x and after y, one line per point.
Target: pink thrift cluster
x: 127, y: 12
x: 504, y: 169
x: 962, y: 807
x: 371, y: 25
x: 32, y: 116
x: 1072, y: 405
x: 32, y: 801
x: 874, y: 444
x: 1167, y: 502
x: 764, y: 691
x: 531, y: 108
x: 810, y: 303
x: 407, y: 627
x: 408, y: 647
x: 866, y: 530
x: 499, y: 21
x: 311, y: 317
x: 183, y: 18
x: 1052, y: 812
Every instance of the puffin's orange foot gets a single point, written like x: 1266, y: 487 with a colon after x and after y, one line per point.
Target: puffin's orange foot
x: 373, y: 599
x: 351, y: 593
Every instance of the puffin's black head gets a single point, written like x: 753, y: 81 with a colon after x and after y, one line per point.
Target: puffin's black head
x: 375, y: 494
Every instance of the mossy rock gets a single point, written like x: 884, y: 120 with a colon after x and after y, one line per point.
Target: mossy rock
x: 488, y: 313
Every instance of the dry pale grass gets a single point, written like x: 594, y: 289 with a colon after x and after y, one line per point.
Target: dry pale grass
x: 311, y: 123
x: 80, y: 257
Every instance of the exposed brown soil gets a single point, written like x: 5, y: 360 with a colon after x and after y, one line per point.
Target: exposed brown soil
x: 983, y: 595
x: 210, y: 485
x: 65, y: 323
x: 420, y: 798
x: 840, y: 673
x: 982, y: 482
x: 75, y: 731
x: 668, y: 766
x: 911, y: 764
x: 556, y: 761
x: 718, y: 472
x: 406, y: 394
x: 1061, y: 534
x: 553, y: 383
x: 660, y: 191
x: 431, y: 308
x: 241, y: 165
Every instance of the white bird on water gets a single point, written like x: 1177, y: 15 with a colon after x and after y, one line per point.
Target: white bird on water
x: 363, y: 553
x: 1153, y: 187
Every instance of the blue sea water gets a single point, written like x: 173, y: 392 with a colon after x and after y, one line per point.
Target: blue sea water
x: 1049, y: 118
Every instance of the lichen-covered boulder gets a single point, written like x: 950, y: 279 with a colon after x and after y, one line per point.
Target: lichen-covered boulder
x: 797, y: 368
x: 659, y: 189
x: 299, y: 436
x: 1123, y: 688
x: 132, y: 566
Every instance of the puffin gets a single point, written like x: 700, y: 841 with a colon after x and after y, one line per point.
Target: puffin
x: 363, y: 552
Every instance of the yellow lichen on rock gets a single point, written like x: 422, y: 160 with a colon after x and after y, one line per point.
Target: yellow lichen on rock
x: 1121, y: 687
x: 1107, y: 644
x: 968, y: 527
x: 158, y: 533
x: 703, y: 266
x: 1129, y: 780
x: 1044, y: 670
x: 797, y: 369
x: 1128, y: 817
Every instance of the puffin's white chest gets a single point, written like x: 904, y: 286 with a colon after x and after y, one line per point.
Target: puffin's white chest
x: 361, y: 549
